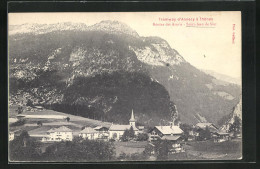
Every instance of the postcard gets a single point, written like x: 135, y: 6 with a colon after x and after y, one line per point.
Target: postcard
x: 124, y: 86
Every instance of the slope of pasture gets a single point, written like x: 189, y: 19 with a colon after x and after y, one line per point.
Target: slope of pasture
x: 74, y: 120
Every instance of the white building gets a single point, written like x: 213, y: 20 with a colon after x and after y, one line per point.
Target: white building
x: 89, y: 133
x: 116, y: 131
x: 165, y: 133
x: 11, y: 136
x: 58, y: 134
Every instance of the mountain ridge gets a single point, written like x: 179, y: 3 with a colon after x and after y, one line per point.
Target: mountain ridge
x: 88, y: 53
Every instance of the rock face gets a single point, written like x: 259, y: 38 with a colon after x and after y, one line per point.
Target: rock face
x: 48, y: 61
x: 237, y: 112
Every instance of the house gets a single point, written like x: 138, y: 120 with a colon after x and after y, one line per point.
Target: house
x: 99, y: 132
x: 58, y: 134
x: 141, y: 129
x: 221, y: 137
x: 210, y: 126
x: 89, y: 133
x: 200, y: 128
x: 171, y: 133
x: 116, y: 131
x: 101, y: 129
x: 13, y: 133
x: 103, y: 132
x: 39, y: 107
x: 11, y: 136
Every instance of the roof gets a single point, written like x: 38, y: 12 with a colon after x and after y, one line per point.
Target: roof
x: 39, y: 131
x: 60, y: 129
x: 40, y: 107
x: 117, y: 127
x: 204, y: 125
x: 88, y: 130
x: 132, y: 116
x: 20, y: 115
x: 169, y: 129
x: 222, y: 133
x: 172, y: 138
x: 99, y: 127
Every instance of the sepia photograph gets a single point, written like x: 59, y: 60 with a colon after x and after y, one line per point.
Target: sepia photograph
x: 124, y: 86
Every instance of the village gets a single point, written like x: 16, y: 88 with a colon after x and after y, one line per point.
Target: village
x: 127, y: 138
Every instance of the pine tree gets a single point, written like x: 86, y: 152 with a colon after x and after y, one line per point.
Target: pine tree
x: 236, y: 126
x: 131, y: 133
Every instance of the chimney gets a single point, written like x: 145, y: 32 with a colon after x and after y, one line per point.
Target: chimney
x: 171, y: 124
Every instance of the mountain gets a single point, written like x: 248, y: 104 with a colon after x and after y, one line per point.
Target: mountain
x: 46, y: 65
x: 45, y: 28
x: 223, y: 77
x: 113, y: 27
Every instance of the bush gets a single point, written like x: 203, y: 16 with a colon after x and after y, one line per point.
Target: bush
x: 128, y: 134
x: 142, y: 137
x: 80, y: 150
x: 29, y: 103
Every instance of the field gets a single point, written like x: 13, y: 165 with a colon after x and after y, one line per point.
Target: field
x: 74, y: 120
x: 203, y: 150
x: 129, y: 147
x: 208, y: 150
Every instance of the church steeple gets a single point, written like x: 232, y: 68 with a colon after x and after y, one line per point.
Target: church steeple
x: 132, y: 119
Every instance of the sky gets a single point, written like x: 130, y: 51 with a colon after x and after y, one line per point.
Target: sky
x: 215, y: 45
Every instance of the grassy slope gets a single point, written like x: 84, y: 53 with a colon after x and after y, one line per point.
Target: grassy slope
x: 73, y: 119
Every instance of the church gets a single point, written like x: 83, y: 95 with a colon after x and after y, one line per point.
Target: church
x: 116, y: 131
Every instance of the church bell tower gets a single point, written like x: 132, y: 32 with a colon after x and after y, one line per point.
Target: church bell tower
x: 132, y: 120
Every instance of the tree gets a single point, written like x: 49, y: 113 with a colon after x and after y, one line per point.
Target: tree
x: 149, y: 151
x: 80, y: 150
x: 205, y: 134
x: 126, y: 135
x: 29, y: 103
x: 186, y: 130
x: 131, y: 133
x: 39, y: 123
x: 162, y: 149
x: 24, y: 148
x: 142, y: 137
x: 67, y: 119
x: 19, y: 110
x: 236, y: 126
